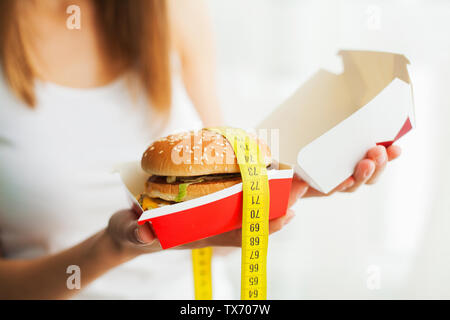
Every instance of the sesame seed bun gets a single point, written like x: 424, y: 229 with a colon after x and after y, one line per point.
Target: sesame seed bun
x: 194, y: 153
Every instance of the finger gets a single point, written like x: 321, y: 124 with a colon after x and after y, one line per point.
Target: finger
x: 145, y: 234
x: 348, y: 183
x: 223, y: 251
x: 379, y: 156
x: 278, y: 223
x: 345, y: 185
x: 364, y: 170
x: 227, y: 239
x: 124, y: 228
x: 121, y: 224
x: 298, y: 189
x: 393, y: 152
x: 313, y: 193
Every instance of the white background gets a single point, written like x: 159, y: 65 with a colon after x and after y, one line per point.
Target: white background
x: 391, y: 240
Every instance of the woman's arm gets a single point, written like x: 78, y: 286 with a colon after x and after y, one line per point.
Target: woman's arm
x: 192, y: 38
x: 121, y: 241
x: 45, y: 278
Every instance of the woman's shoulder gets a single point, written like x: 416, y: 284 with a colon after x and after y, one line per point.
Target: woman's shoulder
x: 188, y: 22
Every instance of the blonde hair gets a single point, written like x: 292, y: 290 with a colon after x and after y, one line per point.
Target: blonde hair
x: 135, y: 31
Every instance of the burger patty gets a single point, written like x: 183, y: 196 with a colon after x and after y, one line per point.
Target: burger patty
x: 194, y: 179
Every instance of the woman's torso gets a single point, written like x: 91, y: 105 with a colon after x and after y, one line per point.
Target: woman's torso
x: 57, y: 186
x: 56, y: 160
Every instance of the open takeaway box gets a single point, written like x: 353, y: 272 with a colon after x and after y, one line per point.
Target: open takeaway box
x: 343, y: 114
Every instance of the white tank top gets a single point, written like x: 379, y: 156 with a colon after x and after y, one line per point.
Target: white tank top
x: 57, y: 189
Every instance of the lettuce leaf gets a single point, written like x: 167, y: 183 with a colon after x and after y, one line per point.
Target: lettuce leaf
x: 182, y: 190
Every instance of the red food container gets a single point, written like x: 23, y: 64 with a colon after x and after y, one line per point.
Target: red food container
x: 206, y: 216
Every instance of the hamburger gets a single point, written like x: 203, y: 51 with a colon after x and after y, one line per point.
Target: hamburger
x: 189, y: 165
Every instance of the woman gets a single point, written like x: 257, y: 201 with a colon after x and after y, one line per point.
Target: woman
x: 75, y: 102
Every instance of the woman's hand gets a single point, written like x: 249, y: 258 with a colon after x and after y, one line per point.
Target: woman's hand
x: 132, y: 239
x: 367, y: 171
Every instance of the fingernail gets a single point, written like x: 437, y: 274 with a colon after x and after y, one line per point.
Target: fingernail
x: 347, y: 185
x: 302, y: 193
x: 380, y: 160
x: 368, y: 173
x: 138, y: 237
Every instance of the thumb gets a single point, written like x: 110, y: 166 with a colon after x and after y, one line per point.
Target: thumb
x: 124, y: 229
x: 144, y: 234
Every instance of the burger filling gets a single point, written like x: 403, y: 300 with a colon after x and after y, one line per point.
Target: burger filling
x: 183, y: 182
x: 193, y: 179
x: 148, y: 203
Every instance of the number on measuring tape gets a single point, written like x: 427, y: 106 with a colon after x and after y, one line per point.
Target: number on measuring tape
x: 254, y: 227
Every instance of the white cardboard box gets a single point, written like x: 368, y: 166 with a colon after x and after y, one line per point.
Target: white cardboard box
x: 339, y: 117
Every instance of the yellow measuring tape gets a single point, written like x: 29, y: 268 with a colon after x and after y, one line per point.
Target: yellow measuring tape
x: 255, y: 213
x: 201, y: 262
